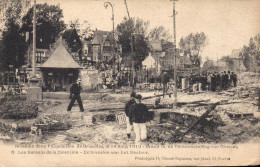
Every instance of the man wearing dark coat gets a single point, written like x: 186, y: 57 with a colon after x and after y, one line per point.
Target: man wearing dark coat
x: 129, y: 123
x: 225, y: 80
x: 165, y: 80
x: 213, y: 83
x: 139, y: 116
x: 75, y: 95
x: 234, y: 78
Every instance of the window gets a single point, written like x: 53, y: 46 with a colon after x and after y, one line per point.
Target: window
x: 95, y: 49
x: 85, y: 49
x: 39, y: 57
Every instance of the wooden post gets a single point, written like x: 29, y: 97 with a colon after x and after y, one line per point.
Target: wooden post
x: 175, y: 54
x: 133, y: 76
x: 34, y: 92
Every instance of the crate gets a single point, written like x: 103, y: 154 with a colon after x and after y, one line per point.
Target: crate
x: 121, y: 119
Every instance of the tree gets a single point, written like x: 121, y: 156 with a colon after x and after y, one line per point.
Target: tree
x: 192, y: 45
x: 83, y: 29
x: 137, y: 29
x: 251, y: 54
x: 141, y: 50
x: 159, y: 33
x: 73, y: 40
x: 14, y: 47
x: 125, y: 30
x: 49, y: 24
x: 12, y: 11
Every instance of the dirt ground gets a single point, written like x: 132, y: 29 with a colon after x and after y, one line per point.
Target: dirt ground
x: 236, y: 120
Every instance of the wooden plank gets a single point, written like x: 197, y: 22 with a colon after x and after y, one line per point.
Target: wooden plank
x: 203, y: 116
x: 150, y: 97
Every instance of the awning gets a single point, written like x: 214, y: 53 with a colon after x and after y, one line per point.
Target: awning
x: 61, y: 58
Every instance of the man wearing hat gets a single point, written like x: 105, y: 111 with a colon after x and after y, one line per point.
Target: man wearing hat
x: 139, y: 115
x: 75, y: 95
x: 129, y: 124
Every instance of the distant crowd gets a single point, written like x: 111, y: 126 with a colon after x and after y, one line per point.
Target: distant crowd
x: 213, y: 81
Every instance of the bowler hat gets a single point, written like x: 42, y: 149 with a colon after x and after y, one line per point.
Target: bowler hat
x: 138, y: 97
x: 133, y: 94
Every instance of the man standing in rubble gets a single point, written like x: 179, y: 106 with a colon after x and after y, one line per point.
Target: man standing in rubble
x: 129, y: 124
x: 165, y: 80
x: 234, y: 79
x: 139, y: 116
x: 75, y: 95
x: 225, y: 80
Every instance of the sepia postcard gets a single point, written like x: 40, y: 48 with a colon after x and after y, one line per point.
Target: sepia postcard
x: 129, y: 83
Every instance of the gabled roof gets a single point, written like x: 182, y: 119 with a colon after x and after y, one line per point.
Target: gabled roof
x: 60, y: 58
x: 100, y: 37
x: 96, y: 41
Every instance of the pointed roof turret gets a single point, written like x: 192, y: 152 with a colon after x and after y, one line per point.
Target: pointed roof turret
x: 61, y: 58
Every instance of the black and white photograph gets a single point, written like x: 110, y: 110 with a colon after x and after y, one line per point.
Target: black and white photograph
x: 129, y: 82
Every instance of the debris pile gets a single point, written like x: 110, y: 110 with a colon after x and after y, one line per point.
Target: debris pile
x: 53, y: 122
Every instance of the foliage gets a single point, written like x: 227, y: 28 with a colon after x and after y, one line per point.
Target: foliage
x: 73, y: 40
x: 192, y: 45
x: 141, y: 50
x: 13, y: 46
x: 16, y: 108
x: 12, y: 11
x: 83, y: 29
x: 125, y: 29
x: 159, y: 33
x: 137, y: 29
x: 49, y: 24
x: 251, y: 54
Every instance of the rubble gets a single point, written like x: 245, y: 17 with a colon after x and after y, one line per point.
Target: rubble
x: 234, y: 120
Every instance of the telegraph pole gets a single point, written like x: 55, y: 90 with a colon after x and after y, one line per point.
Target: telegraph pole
x: 127, y: 10
x: 34, y: 92
x: 132, y: 50
x: 34, y: 41
x: 133, y: 68
x: 175, y: 53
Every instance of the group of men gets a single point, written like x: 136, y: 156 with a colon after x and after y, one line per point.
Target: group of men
x: 214, y: 81
x: 136, y: 116
x: 222, y: 81
x: 136, y: 112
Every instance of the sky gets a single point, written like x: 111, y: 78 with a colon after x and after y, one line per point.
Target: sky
x: 228, y: 24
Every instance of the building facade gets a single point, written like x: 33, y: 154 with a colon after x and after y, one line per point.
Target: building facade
x: 102, y: 48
